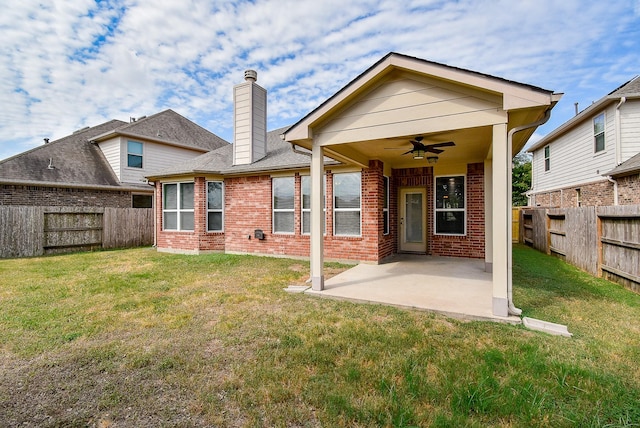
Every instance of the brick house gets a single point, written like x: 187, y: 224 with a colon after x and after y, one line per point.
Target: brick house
x: 593, y: 159
x: 411, y: 156
x: 103, y: 165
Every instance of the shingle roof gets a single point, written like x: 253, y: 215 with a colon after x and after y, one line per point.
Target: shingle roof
x: 632, y: 87
x: 279, y: 156
x: 629, y: 167
x: 75, y: 161
x: 172, y: 128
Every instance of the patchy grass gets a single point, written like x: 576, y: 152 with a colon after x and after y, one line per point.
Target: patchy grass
x: 140, y: 338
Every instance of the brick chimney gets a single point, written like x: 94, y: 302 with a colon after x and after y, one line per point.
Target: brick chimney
x: 249, y: 120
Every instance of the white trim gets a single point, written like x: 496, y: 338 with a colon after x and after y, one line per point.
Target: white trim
x: 333, y: 205
x: 221, y: 210
x: 135, y: 168
x: 436, y: 210
x: 178, y: 210
x: 388, y: 200
x: 604, y: 133
x: 275, y: 210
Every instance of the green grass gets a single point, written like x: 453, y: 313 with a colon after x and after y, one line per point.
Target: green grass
x: 140, y: 338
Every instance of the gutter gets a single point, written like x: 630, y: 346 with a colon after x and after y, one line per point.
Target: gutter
x: 15, y: 182
x: 298, y: 151
x: 512, y: 310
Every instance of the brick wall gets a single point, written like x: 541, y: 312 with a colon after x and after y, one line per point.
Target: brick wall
x: 629, y: 190
x: 593, y: 194
x: 61, y: 196
x: 248, y: 207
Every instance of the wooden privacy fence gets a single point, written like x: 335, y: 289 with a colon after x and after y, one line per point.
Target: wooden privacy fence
x: 604, y: 241
x: 27, y: 231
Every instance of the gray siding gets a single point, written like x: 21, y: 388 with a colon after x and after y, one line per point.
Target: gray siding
x: 573, y: 160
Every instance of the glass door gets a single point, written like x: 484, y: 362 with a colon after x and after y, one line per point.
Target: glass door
x: 412, y: 221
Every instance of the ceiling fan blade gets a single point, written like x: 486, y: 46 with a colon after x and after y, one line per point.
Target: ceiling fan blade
x: 445, y: 144
x: 410, y: 151
x: 433, y: 150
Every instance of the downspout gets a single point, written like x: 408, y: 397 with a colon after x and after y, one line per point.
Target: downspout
x: 615, y: 189
x: 618, y: 149
x: 619, y: 132
x: 547, y: 114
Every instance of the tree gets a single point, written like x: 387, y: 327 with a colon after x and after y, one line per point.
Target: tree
x: 521, y: 176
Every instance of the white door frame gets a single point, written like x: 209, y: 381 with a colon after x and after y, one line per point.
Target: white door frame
x: 403, y: 245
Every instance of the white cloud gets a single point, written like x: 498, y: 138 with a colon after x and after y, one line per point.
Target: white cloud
x: 73, y: 64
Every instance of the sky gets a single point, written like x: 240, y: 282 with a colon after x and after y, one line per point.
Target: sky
x: 65, y: 65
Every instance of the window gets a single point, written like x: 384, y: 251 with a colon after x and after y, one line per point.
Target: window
x: 177, y: 206
x: 215, y: 204
x: 141, y: 201
x: 385, y: 207
x: 450, y: 205
x: 598, y: 133
x: 547, y: 158
x: 306, y: 205
x: 134, y: 154
x: 283, y: 204
x: 346, y: 204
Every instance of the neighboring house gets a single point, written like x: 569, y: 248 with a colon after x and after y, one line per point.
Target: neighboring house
x: 592, y: 159
x: 346, y: 183
x: 104, y: 165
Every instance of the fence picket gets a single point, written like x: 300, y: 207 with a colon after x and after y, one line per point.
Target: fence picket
x: 27, y: 231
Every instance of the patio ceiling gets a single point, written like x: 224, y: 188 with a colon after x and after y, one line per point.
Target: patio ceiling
x: 471, y: 145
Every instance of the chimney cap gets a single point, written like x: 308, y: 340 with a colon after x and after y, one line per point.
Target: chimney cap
x: 250, y: 75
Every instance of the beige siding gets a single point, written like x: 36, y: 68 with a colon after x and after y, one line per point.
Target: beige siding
x: 155, y: 158
x: 259, y: 137
x: 250, y: 105
x: 573, y: 160
x: 630, y: 129
x: 407, y: 105
x: 111, y: 151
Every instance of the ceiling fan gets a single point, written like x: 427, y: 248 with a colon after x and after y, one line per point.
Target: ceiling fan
x: 419, y: 148
x: 431, y: 148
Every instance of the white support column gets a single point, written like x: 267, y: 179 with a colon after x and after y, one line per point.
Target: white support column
x: 501, y: 207
x: 317, y: 205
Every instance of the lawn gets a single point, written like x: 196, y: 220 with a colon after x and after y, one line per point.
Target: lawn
x: 145, y: 339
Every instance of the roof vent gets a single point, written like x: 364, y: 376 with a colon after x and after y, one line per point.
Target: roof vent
x: 250, y: 75
x: 46, y: 141
x: 50, y: 166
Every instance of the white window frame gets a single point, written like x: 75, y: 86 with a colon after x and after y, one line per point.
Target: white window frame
x: 437, y: 210
x: 180, y: 211
x: 547, y: 158
x: 141, y: 155
x: 215, y: 210
x: 308, y: 210
x: 386, y: 183
x: 601, y: 133
x: 339, y: 210
x: 282, y: 210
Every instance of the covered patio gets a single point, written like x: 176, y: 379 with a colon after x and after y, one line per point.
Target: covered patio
x: 444, y: 138
x: 456, y: 287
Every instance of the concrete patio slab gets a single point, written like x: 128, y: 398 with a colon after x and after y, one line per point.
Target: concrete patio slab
x: 455, y: 287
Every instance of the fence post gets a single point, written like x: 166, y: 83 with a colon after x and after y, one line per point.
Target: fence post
x: 547, y: 231
x: 599, y: 242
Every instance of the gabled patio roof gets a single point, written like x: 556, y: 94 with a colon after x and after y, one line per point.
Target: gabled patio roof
x: 448, y: 101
